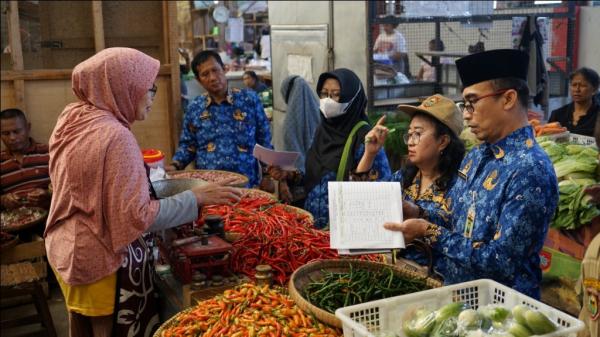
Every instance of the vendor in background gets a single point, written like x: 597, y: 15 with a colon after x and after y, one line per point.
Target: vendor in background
x: 102, y: 202
x: 24, y: 168
x: 506, y: 192
x: 184, y: 69
x: 221, y: 127
x: 302, y: 118
x: 435, y: 152
x: 343, y: 103
x: 252, y: 82
x: 426, y: 71
x: 580, y: 116
x: 392, y: 43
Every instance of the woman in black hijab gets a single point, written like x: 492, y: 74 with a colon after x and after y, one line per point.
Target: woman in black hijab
x: 343, y: 121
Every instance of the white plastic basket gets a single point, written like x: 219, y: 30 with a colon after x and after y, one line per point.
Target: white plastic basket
x: 366, y: 319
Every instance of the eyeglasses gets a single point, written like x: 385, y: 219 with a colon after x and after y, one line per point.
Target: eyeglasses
x: 334, y: 95
x: 153, y: 90
x: 415, y: 136
x: 469, y: 104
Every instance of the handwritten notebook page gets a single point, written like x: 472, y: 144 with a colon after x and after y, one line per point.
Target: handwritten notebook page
x: 358, y: 210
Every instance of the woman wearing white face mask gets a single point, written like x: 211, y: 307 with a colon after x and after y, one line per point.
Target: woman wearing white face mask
x: 342, y: 104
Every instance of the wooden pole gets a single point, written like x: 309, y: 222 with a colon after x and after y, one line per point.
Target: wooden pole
x: 98, y: 19
x: 175, y: 115
x: 16, y: 52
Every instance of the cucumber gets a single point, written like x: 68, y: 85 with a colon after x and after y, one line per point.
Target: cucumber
x: 539, y: 323
x: 518, y: 313
x: 449, y: 310
x: 519, y: 330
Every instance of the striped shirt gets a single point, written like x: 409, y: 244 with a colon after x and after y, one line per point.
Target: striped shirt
x: 23, y: 177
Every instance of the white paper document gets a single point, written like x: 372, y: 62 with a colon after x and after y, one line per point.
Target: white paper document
x: 284, y: 159
x: 357, y: 212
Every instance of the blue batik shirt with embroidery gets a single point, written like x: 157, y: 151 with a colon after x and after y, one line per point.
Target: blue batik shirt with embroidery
x: 433, y: 201
x: 502, y: 203
x: 222, y: 136
x: 317, y: 200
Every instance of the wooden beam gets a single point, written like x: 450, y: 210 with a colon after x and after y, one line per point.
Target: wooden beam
x: 16, y: 52
x: 175, y: 113
x: 54, y: 74
x: 99, y: 42
x: 16, y: 49
x: 165, y: 50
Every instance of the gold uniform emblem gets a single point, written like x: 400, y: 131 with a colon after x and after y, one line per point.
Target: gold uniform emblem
x: 529, y: 143
x: 489, y: 183
x: 431, y: 101
x: 238, y: 115
x: 465, y: 169
x: 205, y: 115
x: 498, y: 152
x: 210, y: 147
x: 242, y: 149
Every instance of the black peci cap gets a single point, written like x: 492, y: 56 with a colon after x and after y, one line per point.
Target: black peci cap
x: 493, y: 64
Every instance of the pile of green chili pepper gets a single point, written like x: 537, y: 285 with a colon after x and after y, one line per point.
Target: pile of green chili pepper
x: 336, y: 289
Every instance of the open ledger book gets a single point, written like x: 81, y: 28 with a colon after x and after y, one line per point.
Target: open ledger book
x: 357, y: 212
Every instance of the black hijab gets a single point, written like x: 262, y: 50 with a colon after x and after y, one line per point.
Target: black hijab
x: 326, y: 150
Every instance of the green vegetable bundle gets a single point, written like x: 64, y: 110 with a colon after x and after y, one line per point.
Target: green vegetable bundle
x: 576, y: 167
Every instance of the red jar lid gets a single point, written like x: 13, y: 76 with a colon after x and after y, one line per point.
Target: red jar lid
x: 152, y: 155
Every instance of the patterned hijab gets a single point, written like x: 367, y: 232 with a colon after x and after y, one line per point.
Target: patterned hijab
x: 101, y: 201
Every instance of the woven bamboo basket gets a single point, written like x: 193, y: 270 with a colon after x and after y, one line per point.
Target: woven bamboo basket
x: 256, y: 192
x: 313, y: 272
x: 241, y: 181
x: 171, y: 322
x: 301, y: 211
x: 39, y: 220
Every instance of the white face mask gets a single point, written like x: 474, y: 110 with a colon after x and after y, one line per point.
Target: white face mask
x: 331, y: 108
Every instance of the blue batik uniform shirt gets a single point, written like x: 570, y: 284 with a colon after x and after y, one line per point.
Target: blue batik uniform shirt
x: 222, y: 136
x: 317, y: 199
x: 501, y: 204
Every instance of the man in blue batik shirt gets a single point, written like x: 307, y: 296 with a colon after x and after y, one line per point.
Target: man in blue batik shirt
x: 221, y: 127
x: 506, y: 191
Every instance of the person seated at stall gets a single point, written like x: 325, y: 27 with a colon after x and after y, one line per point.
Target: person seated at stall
x: 580, y: 115
x: 435, y: 152
x: 391, y: 42
x: 221, y: 127
x: 506, y: 191
x: 343, y: 103
x: 427, y: 71
x: 252, y: 82
x: 302, y: 118
x: 24, y: 167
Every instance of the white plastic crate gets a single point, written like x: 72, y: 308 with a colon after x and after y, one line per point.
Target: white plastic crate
x: 367, y: 319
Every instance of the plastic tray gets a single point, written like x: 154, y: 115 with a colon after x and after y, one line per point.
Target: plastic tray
x: 384, y: 315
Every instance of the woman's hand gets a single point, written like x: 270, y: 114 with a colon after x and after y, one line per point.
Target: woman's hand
x: 411, y: 228
x: 375, y: 139
x: 214, y: 194
x: 409, y: 210
x: 278, y: 174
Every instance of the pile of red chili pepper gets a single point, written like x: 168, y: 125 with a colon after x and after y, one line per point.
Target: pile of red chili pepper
x: 272, y: 233
x: 247, y: 310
